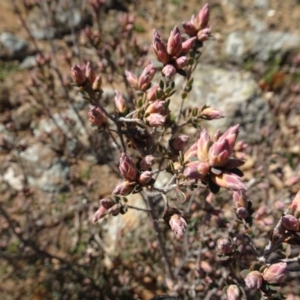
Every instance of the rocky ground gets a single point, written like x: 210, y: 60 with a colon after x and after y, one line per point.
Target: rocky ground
x: 55, y: 168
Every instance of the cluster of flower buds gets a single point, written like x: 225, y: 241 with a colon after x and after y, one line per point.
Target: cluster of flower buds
x: 156, y: 113
x: 107, y: 207
x: 133, y: 179
x: 199, y: 26
x: 210, y: 161
x: 242, y: 204
x: 144, y: 81
x: 176, y: 221
x: 86, y: 74
x: 173, y: 54
x: 266, y: 275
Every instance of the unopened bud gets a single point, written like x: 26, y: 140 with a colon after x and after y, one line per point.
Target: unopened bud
x: 152, y: 93
x: 155, y: 107
x: 229, y: 181
x: 290, y: 222
x: 169, y: 71
x: 105, y: 205
x: 239, y: 199
x: 242, y: 212
x: 127, y: 168
x: 174, y: 43
x: 115, y: 209
x: 254, y: 280
x: 97, y: 84
x: 78, y: 75
x: 188, y: 44
x: 120, y: 103
x: 275, y: 273
x: 204, y: 16
x: 181, y: 62
x: 219, y: 153
x: 178, y: 224
x: 132, y: 79
x: 178, y: 143
x: 145, y: 177
x: 195, y: 170
x: 97, y: 117
x: 203, y: 145
x: 210, y: 113
x: 159, y: 48
x: 147, y: 162
x: 156, y: 120
x: 225, y: 246
x: 233, y: 292
x: 89, y: 73
x: 124, y: 188
x: 146, y: 77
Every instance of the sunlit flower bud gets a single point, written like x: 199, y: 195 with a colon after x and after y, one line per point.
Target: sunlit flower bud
x: 97, y: 84
x: 204, y: 16
x: 78, y: 75
x: 233, y: 292
x: 120, y: 103
x: 159, y: 48
x: 132, y: 79
x: 216, y: 135
x: 275, y: 273
x: 225, y: 246
x: 124, y: 188
x: 156, y: 120
x: 218, y: 154
x: 239, y: 199
x: 178, y: 224
x: 174, y: 42
x: 152, y: 93
x: 290, y: 222
x: 188, y: 44
x: 189, y: 28
x: 295, y: 206
x: 147, y: 162
x: 195, y: 170
x: 145, y: 177
x: 190, y: 153
x: 155, y: 107
x: 242, y: 212
x: 254, y: 280
x: 204, y: 34
x: 178, y: 143
x: 115, y: 210
x: 146, y: 77
x: 105, y: 205
x: 229, y: 181
x: 89, y: 72
x: 97, y: 117
x: 230, y: 135
x: 203, y: 145
x: 128, y: 168
x: 181, y: 62
x: 169, y: 71
x: 210, y: 113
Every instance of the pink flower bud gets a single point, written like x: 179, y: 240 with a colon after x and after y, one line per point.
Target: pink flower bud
x: 218, y: 154
x: 204, y: 34
x: 174, y: 43
x: 178, y: 143
x: 230, y: 135
x: 204, y: 16
x: 239, y: 199
x: 228, y: 181
x: 159, y: 48
x: 146, y: 77
x: 78, y: 75
x: 147, y: 162
x: 290, y: 222
x: 169, y: 71
x: 132, y: 79
x: 275, y: 273
x: 115, y: 209
x: 97, y: 84
x: 295, y: 206
x: 191, y: 153
x: 195, y: 170
x: 178, y: 224
x: 105, y: 205
x: 155, y: 107
x: 189, y: 28
x: 89, y: 72
x: 242, y: 212
x: 128, y: 168
x: 254, y: 280
x: 120, y: 103
x: 156, y: 120
x: 188, y: 44
x: 233, y: 292
x: 210, y: 113
x: 145, y: 177
x: 203, y: 145
x: 124, y: 188
x: 151, y: 94
x: 97, y: 116
x: 181, y: 62
x: 225, y: 246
